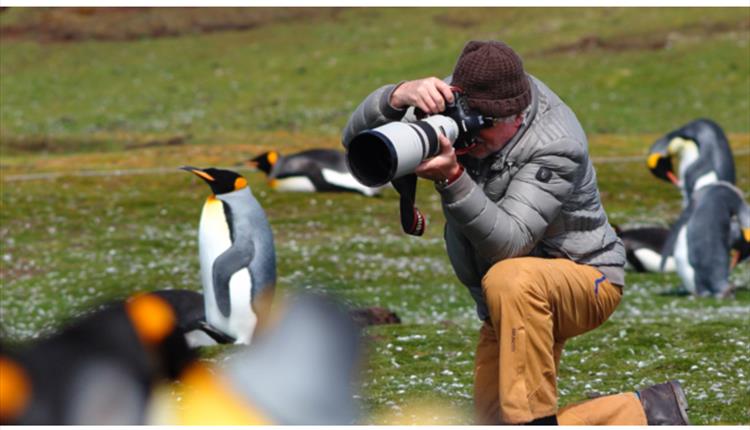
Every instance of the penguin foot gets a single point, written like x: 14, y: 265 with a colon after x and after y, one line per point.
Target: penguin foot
x: 727, y: 294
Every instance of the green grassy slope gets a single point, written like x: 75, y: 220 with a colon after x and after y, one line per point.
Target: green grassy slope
x: 308, y: 76
x: 70, y: 241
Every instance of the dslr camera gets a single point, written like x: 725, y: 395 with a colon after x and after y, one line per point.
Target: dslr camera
x: 379, y: 155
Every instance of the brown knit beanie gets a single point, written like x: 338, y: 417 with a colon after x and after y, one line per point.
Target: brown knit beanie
x: 491, y: 76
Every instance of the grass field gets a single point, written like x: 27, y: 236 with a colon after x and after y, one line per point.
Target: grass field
x: 155, y: 103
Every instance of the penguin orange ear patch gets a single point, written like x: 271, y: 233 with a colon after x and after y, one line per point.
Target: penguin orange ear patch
x: 273, y: 157
x: 15, y: 389
x: 240, y: 183
x: 152, y: 317
x: 653, y: 161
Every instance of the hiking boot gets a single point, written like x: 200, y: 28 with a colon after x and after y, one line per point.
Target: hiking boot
x: 665, y: 404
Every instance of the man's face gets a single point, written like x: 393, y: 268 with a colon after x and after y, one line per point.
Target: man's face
x: 494, y: 138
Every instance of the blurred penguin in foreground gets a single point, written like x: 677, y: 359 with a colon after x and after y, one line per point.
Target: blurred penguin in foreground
x: 302, y: 370
x: 113, y: 367
x: 98, y: 370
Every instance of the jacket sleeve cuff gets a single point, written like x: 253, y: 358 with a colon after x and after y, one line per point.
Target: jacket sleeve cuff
x: 456, y: 190
x: 389, y: 111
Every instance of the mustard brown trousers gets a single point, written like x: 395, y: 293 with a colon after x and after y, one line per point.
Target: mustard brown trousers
x: 535, y: 305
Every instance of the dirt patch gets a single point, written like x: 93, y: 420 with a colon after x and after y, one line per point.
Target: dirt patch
x: 46, y: 144
x: 117, y: 24
x: 374, y: 316
x: 172, y: 141
x: 21, y: 272
x: 41, y: 144
x: 642, y: 42
x: 590, y: 43
x: 50, y: 144
x: 15, y: 267
x: 456, y: 21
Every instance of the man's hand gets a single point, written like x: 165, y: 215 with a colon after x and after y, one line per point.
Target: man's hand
x: 442, y: 166
x: 428, y: 94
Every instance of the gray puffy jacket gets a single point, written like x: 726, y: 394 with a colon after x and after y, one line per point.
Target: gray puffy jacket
x: 537, y: 196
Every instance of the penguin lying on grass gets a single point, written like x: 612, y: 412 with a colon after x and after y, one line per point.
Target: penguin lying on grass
x: 310, y: 171
x: 643, y: 246
x: 302, y: 370
x: 98, y: 370
x: 704, y: 156
x: 701, y: 239
x: 237, y: 255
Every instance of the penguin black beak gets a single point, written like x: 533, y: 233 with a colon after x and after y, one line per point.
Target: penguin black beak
x: 660, y: 163
x: 198, y: 172
x: 252, y: 163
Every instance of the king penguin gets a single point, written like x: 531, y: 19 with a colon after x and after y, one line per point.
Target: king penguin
x: 703, y: 153
x: 237, y: 255
x: 313, y: 170
x: 99, y: 369
x: 701, y: 239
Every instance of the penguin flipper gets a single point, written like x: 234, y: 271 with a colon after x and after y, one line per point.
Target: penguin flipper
x: 321, y: 184
x: 224, y: 267
x: 634, y: 261
x: 214, y: 334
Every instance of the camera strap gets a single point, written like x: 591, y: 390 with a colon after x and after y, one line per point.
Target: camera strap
x: 412, y: 220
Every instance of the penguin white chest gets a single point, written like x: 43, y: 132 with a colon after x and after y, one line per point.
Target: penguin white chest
x: 682, y: 263
x: 651, y: 260
x: 213, y: 233
x: 346, y: 180
x: 214, y: 239
x: 294, y: 184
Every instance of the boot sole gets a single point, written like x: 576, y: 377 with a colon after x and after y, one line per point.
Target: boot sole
x: 679, y: 394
